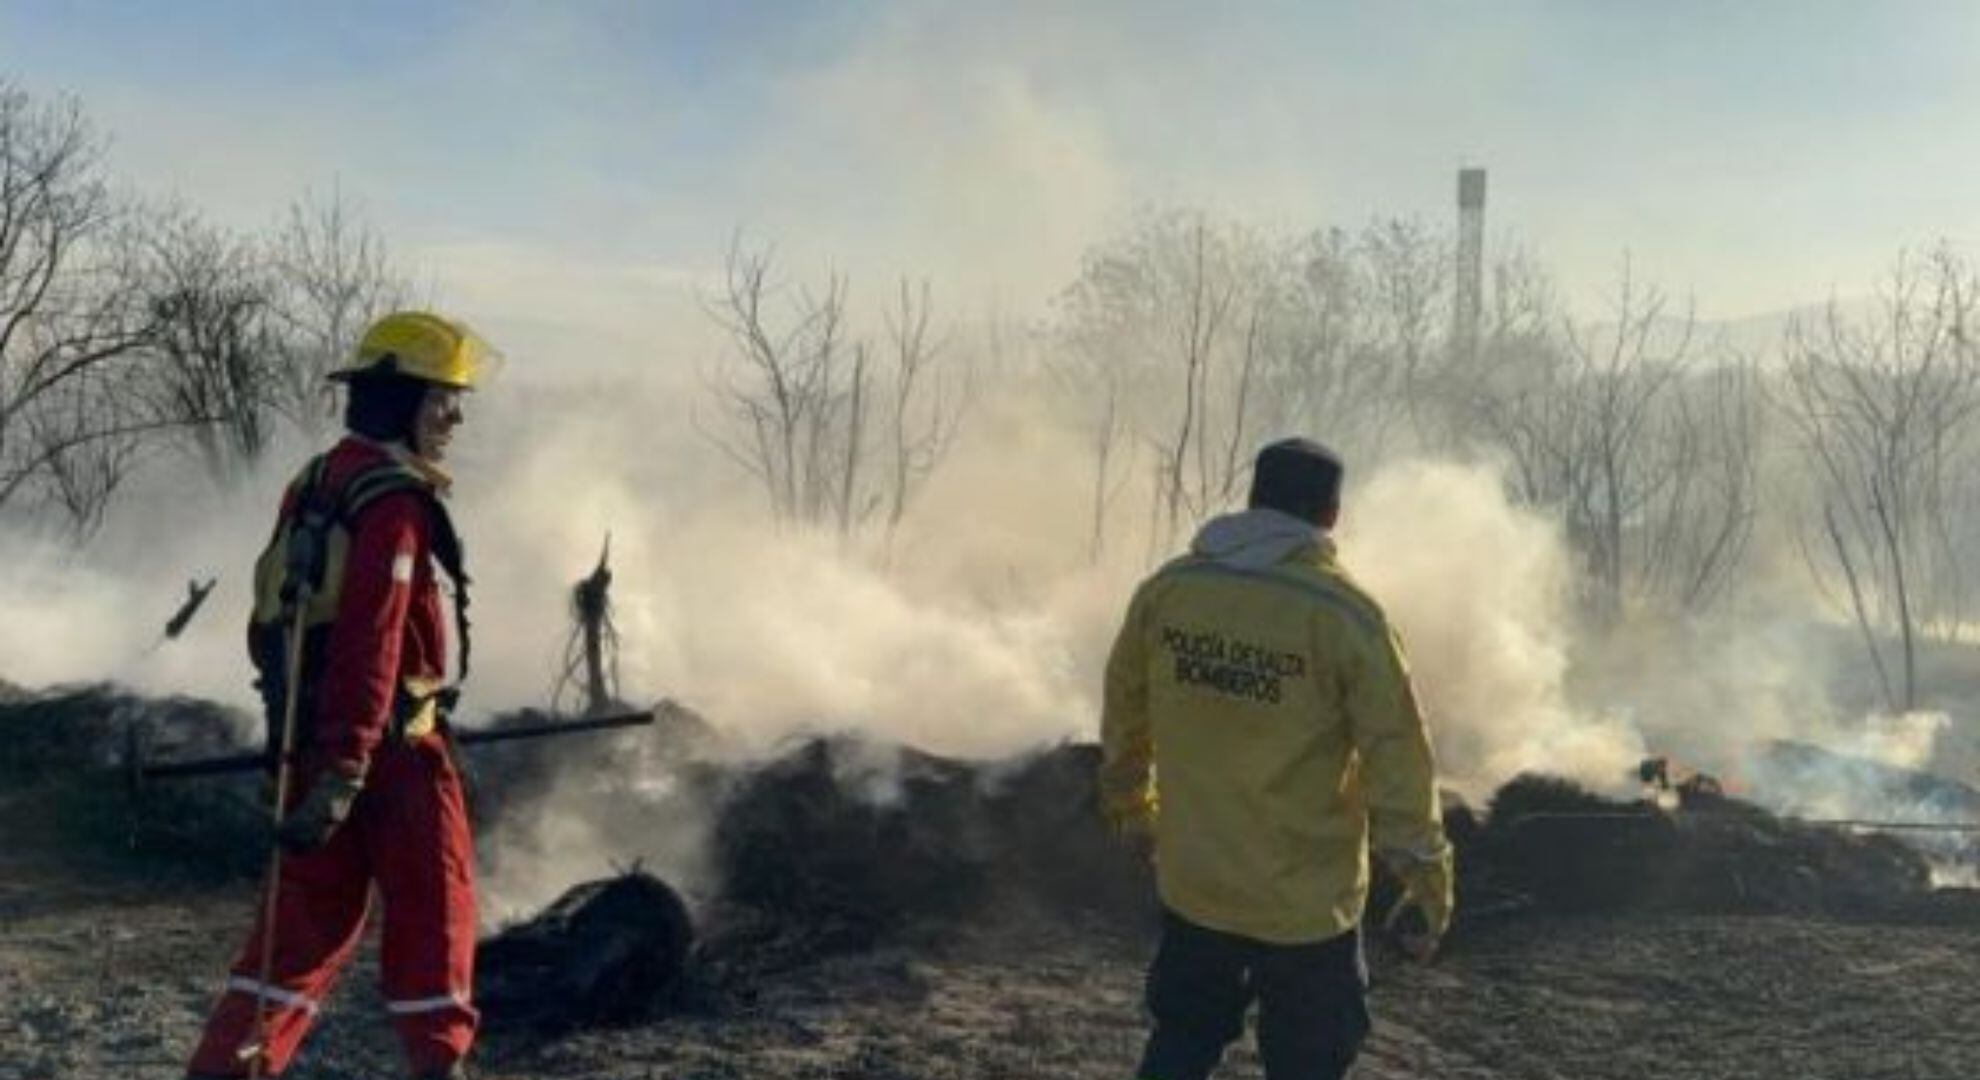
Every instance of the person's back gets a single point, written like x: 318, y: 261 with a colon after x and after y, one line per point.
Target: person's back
x: 1270, y: 697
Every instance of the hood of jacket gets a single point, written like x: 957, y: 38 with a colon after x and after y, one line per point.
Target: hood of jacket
x: 1256, y: 539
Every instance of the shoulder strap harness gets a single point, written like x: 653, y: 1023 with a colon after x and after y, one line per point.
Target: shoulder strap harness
x: 317, y: 510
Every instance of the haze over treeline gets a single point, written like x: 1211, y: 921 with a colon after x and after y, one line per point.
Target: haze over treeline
x: 878, y: 503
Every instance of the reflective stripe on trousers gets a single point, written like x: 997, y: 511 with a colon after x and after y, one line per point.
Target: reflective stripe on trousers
x: 275, y: 994
x: 428, y: 1004
x: 407, y: 836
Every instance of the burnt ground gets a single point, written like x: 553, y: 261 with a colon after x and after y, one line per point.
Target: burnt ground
x: 975, y: 921
x: 102, y: 977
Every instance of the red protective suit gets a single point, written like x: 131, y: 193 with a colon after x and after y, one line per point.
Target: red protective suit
x: 408, y: 831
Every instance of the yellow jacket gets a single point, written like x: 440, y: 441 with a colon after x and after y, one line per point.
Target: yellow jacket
x: 1269, y: 698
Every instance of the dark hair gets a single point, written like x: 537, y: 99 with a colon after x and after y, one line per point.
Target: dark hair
x: 382, y: 404
x: 1299, y: 477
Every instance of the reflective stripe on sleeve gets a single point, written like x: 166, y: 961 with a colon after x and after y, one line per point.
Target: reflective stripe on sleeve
x: 425, y: 1005
x: 276, y: 994
x: 1435, y: 850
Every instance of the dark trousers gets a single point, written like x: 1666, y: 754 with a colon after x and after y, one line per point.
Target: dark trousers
x: 1312, y: 1005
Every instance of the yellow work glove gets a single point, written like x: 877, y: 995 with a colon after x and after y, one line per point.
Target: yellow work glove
x: 327, y: 804
x: 1429, y: 889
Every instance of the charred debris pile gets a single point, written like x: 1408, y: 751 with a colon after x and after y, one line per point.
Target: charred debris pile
x: 841, y: 845
x: 69, y: 757
x: 838, y: 845
x: 858, y: 840
x: 610, y: 951
x: 855, y: 840
x: 1552, y: 845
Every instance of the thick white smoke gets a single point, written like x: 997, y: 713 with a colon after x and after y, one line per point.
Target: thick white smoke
x: 97, y: 611
x: 979, y: 627
x: 1480, y: 592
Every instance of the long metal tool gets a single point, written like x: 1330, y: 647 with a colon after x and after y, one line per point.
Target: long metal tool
x: 255, y: 1053
x: 1863, y: 824
x: 248, y: 762
x: 1891, y: 826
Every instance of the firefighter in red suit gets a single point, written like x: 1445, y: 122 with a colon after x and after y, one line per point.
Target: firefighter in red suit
x: 376, y: 799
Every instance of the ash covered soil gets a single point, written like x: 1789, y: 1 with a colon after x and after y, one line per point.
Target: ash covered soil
x: 963, y: 920
x: 97, y: 982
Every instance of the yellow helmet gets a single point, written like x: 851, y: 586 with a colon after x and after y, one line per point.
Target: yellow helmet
x: 422, y: 345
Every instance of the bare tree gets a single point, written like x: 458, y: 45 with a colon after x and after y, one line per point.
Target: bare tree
x: 1327, y: 369
x: 1622, y: 376
x: 925, y: 409
x: 333, y: 276
x: 1087, y: 367
x: 783, y: 397
x: 1169, y: 327
x: 86, y: 456
x: 1699, y: 528
x: 798, y: 401
x: 1645, y: 451
x: 1883, y: 406
x: 1407, y: 268
x: 70, y: 311
x: 218, y: 368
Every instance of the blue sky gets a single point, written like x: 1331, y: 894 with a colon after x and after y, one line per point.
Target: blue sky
x: 577, y: 161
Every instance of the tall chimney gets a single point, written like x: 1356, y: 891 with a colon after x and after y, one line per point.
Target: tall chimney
x: 1468, y: 301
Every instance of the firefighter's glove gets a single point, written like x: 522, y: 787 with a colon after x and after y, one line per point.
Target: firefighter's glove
x: 327, y: 804
x: 1428, y: 896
